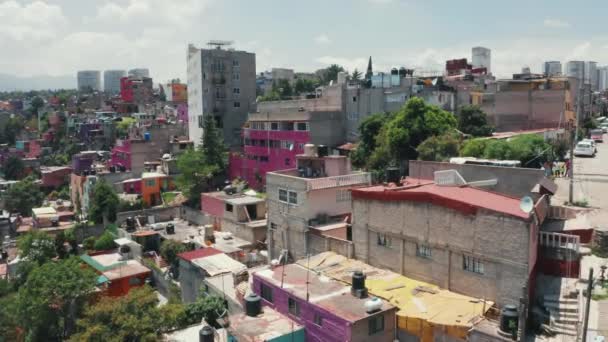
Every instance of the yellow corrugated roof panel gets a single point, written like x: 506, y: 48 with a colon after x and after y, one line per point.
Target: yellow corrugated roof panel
x: 415, y: 299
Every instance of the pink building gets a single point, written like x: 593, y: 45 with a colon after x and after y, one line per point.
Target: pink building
x: 272, y: 139
x: 121, y: 154
x: 55, y: 176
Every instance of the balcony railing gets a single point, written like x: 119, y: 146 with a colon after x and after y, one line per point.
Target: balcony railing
x: 559, y: 240
x: 337, y: 181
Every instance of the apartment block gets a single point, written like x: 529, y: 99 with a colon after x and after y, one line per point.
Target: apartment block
x: 309, y: 206
x: 221, y: 83
x: 459, y: 237
x: 137, y: 90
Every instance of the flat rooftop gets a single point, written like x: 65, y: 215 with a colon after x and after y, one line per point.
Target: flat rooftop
x: 328, y: 293
x: 466, y: 199
x: 218, y: 264
x: 265, y: 327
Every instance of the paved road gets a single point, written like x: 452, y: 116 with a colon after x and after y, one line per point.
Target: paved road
x: 590, y: 179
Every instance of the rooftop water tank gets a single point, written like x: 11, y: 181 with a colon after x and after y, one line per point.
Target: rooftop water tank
x: 310, y: 150
x: 253, y: 305
x: 373, y: 305
x: 358, y: 288
x: 147, y: 136
x: 206, y: 334
x: 509, y: 319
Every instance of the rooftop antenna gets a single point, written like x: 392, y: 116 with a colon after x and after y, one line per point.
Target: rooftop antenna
x: 307, y: 273
x: 526, y: 204
x: 218, y: 44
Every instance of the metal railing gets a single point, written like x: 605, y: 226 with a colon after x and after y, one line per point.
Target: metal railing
x: 559, y: 240
x: 337, y: 181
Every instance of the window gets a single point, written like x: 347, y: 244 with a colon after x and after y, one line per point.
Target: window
x: 134, y: 281
x: 150, y: 182
x: 383, y: 240
x: 266, y: 293
x: 274, y: 144
x: 229, y: 207
x: 294, y: 307
x: 264, y: 159
x: 236, y: 90
x: 287, y: 144
x: 274, y: 126
x: 288, y: 126
x: 423, y: 251
x: 293, y: 197
x: 236, y: 77
x: 287, y: 161
x: 318, y: 320
x: 235, y: 63
x: 354, y: 99
x: 472, y: 264
x: 342, y: 196
x: 302, y: 126
x: 200, y: 121
x: 282, y: 195
x: 376, y: 324
x: 237, y: 104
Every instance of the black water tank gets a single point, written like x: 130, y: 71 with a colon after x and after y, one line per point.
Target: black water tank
x: 322, y: 151
x: 358, y: 280
x: 4, y: 255
x: 206, y: 334
x: 170, y: 228
x: 392, y: 175
x: 509, y: 319
x: 130, y: 224
x: 253, y: 305
x: 112, y: 169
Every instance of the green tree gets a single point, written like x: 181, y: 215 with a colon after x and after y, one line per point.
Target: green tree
x: 474, y: 148
x: 212, y: 144
x: 13, y: 168
x: 271, y: 96
x: 331, y: 73
x: 369, y: 130
x: 52, y: 298
x: 134, y: 317
x: 304, y: 86
x: 37, y: 103
x: 169, y: 250
x: 104, y: 204
x: 439, y: 148
x: 36, y: 246
x: 411, y: 125
x: 208, y: 307
x: 473, y: 121
x: 23, y: 196
x: 356, y: 75
x: 283, y: 88
x: 105, y: 242
x: 13, y: 128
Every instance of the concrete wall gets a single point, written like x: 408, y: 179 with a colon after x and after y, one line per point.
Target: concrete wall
x: 160, y: 214
x: 242, y: 231
x: 193, y: 216
x: 191, y: 281
x: 502, y: 243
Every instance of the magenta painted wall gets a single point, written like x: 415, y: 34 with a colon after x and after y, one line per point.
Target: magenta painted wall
x: 137, y: 188
x: 182, y: 112
x: 117, y: 159
x: 212, y: 205
x: 246, y: 167
x: 335, y: 328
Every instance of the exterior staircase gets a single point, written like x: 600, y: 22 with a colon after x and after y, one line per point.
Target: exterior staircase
x: 563, y: 313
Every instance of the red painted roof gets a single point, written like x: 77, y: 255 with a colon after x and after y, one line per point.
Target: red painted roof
x: 465, y: 199
x: 199, y: 253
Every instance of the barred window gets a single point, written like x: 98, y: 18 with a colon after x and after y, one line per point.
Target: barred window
x: 472, y: 264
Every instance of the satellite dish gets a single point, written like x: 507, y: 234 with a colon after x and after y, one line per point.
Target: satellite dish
x: 527, y: 204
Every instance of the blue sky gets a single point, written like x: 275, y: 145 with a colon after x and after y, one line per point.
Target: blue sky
x: 58, y: 37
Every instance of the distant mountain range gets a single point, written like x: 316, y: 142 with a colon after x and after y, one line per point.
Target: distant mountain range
x: 11, y: 82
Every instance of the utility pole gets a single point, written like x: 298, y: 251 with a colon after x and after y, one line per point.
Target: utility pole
x: 588, y: 304
x: 574, y: 137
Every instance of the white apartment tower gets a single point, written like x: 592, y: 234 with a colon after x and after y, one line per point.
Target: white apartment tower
x: 111, y: 80
x: 552, y: 68
x: 221, y: 83
x: 482, y: 58
x: 89, y: 80
x: 575, y: 69
x: 602, y: 73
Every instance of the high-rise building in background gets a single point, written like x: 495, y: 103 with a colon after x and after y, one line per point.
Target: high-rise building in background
x: 602, y: 75
x: 111, y: 80
x: 575, y: 69
x: 552, y: 68
x: 482, y: 58
x: 221, y: 83
x: 89, y: 80
x: 591, y: 74
x: 139, y: 72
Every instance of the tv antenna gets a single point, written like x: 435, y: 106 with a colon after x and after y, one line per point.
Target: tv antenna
x: 219, y: 43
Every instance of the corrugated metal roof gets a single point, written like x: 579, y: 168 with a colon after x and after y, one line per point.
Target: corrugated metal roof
x: 219, y: 263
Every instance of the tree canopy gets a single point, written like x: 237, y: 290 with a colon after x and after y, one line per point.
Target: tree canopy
x: 530, y: 149
x: 23, y: 196
x: 439, y: 147
x: 37, y: 246
x: 52, y: 297
x: 105, y: 242
x: 104, y: 204
x: 13, y: 168
x: 331, y: 73
x: 472, y: 120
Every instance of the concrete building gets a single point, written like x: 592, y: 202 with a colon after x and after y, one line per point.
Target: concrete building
x: 575, y: 69
x: 221, y: 83
x: 602, y: 73
x: 89, y: 80
x: 329, y: 310
x: 136, y: 90
x: 445, y: 232
x: 116, y: 275
x: 525, y: 104
x: 309, y: 206
x: 176, y: 92
x: 591, y: 76
x: 482, y: 58
x: 552, y: 68
x: 111, y: 80
x: 139, y: 72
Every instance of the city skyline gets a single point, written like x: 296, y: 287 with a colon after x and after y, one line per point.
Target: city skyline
x: 101, y: 35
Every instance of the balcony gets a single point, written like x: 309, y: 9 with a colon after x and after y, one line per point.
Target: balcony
x: 310, y: 184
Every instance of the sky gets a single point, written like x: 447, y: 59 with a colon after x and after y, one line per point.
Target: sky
x: 59, y: 37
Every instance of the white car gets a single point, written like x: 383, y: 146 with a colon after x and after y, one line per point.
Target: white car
x: 604, y: 128
x: 584, y: 148
x: 592, y: 142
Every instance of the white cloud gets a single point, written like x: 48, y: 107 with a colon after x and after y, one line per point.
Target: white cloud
x: 35, y: 21
x: 322, y: 39
x: 349, y: 64
x: 179, y: 14
x: 555, y: 23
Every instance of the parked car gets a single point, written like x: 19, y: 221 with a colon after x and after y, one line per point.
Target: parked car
x: 604, y: 127
x: 597, y: 135
x: 584, y: 148
x: 592, y: 142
